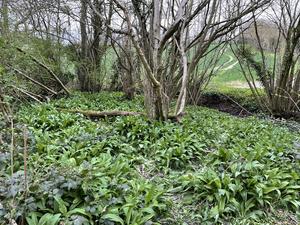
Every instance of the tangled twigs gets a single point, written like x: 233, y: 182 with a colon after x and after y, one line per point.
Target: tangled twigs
x: 4, y: 108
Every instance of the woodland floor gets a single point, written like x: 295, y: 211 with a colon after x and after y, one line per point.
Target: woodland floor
x: 211, y: 168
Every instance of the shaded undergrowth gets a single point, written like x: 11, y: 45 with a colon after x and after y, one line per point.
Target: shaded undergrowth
x: 209, y: 169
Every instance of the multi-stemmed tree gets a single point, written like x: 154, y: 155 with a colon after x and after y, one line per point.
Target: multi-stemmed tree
x: 276, y: 67
x: 171, y: 37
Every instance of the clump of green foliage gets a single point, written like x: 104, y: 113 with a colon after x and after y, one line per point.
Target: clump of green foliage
x: 209, y: 169
x: 237, y: 97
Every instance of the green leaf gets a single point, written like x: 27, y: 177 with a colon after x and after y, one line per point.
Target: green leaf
x: 114, y: 218
x: 49, y: 219
x: 78, y: 211
x: 54, y: 219
x: 269, y: 189
x: 128, y: 213
x: 214, y: 212
x: 32, y: 219
x: 61, y: 205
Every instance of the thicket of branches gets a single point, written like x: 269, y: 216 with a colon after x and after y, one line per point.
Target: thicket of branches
x: 279, y: 74
x: 167, y: 50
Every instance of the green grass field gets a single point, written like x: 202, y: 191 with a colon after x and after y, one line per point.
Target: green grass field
x: 230, y: 74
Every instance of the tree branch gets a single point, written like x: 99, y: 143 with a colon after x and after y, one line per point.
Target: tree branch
x: 46, y: 68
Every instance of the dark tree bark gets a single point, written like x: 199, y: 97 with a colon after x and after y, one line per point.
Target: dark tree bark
x: 97, y: 25
x: 82, y: 71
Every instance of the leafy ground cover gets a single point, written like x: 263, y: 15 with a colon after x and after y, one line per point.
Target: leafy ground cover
x: 211, y: 168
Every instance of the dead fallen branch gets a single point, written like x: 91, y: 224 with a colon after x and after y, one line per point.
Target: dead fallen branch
x: 239, y: 105
x: 102, y: 114
x: 28, y: 94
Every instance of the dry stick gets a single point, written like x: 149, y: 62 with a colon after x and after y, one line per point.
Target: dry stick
x: 12, y: 146
x: 27, y: 94
x: 25, y: 160
x: 91, y: 113
x: 48, y: 70
x: 239, y: 105
x: 12, y: 149
x: 25, y: 139
x: 291, y: 98
x: 103, y: 114
x: 34, y: 81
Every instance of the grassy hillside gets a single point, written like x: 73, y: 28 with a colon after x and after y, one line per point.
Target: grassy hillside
x: 230, y: 75
x: 210, y: 169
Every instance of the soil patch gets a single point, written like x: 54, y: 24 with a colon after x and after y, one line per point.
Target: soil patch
x: 232, y: 106
x: 224, y: 104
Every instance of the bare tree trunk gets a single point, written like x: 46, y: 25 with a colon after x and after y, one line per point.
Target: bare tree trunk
x: 124, y: 69
x: 128, y: 80
x: 182, y: 98
x: 157, y: 102
x: 82, y: 71
x: 96, y: 23
x: 281, y: 87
